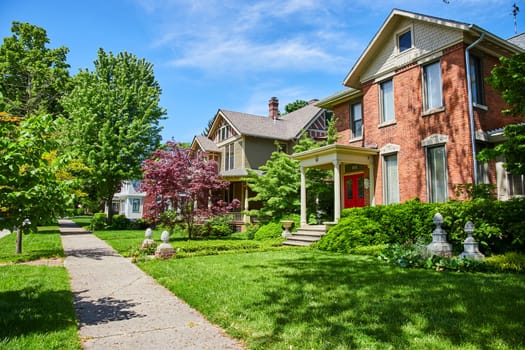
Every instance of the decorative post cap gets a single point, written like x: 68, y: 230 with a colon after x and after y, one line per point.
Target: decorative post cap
x: 148, y: 233
x: 165, y: 236
x: 469, y: 228
x: 438, y: 219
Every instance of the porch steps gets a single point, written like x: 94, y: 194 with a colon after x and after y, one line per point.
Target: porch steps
x: 306, y: 235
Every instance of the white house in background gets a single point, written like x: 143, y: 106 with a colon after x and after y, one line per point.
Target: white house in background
x: 129, y: 201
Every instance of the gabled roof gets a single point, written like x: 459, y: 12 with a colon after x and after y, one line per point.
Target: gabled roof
x: 287, y: 127
x: 205, y: 144
x: 470, y: 32
x: 518, y: 40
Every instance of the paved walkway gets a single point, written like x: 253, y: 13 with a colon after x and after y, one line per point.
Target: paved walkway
x: 120, y: 307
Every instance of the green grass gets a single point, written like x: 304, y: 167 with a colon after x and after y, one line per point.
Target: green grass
x: 36, y: 308
x: 45, y: 243
x: 82, y: 221
x: 125, y: 241
x: 308, y: 299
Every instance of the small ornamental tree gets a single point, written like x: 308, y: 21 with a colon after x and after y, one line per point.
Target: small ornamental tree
x: 184, y: 188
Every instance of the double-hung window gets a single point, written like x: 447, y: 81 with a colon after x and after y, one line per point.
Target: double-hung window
x: 437, y: 174
x: 391, y: 179
x: 432, y: 89
x: 135, y: 205
x: 476, y: 80
x: 229, y: 156
x: 386, y: 95
x: 356, y: 120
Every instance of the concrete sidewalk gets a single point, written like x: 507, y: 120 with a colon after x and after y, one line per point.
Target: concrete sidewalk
x: 120, y: 307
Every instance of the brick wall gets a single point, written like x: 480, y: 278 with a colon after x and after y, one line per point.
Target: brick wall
x: 412, y: 125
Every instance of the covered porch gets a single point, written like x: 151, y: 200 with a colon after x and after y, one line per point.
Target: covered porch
x: 353, y: 169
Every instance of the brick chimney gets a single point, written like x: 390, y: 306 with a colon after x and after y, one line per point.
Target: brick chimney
x: 273, y: 107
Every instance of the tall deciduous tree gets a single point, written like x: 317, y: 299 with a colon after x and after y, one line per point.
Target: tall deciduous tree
x: 509, y: 79
x: 293, y: 106
x: 33, y: 77
x: 30, y: 184
x: 183, y: 188
x: 114, y: 120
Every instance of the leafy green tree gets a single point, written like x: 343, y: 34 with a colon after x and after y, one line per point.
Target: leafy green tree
x: 278, y: 187
x: 114, y: 121
x: 509, y: 79
x: 32, y: 77
x: 30, y: 183
x: 293, y: 106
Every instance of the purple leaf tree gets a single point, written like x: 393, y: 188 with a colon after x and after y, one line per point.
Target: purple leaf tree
x: 184, y: 188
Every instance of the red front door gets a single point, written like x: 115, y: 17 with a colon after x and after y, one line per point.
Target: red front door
x: 354, y: 190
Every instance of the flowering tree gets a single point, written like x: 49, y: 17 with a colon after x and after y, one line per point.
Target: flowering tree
x: 185, y: 188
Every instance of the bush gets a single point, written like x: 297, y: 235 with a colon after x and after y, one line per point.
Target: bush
x: 509, y: 262
x: 498, y: 225
x: 218, y: 226
x: 353, y: 231
x: 273, y: 229
x: 99, y: 222
x: 120, y: 222
x: 138, y: 224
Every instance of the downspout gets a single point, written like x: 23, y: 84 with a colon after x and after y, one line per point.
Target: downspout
x: 471, y: 106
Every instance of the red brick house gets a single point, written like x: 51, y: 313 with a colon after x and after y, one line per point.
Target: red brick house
x: 413, y: 115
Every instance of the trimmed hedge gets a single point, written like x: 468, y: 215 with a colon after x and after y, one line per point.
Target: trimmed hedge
x: 499, y: 225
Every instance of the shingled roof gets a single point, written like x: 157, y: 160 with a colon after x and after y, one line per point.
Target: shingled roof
x: 206, y: 144
x: 287, y: 127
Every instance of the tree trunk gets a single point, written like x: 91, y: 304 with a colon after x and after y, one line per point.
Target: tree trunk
x: 18, y: 241
x: 109, y: 200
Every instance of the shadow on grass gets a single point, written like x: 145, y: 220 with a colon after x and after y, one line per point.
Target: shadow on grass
x: 103, y: 310
x: 30, y: 310
x: 350, y: 302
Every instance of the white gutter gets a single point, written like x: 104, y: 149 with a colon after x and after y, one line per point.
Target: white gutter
x: 471, y: 106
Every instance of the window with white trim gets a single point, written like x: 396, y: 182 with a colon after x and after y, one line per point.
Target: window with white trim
x: 386, y: 100
x: 404, y: 41
x: 224, y: 132
x: 437, y: 182
x: 229, y: 156
x: 432, y: 87
x: 390, y: 179
x: 356, y: 120
x: 135, y: 205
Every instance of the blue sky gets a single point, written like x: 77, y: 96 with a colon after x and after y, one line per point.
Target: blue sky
x: 235, y: 54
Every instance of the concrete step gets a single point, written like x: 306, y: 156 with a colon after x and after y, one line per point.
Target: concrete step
x: 306, y: 235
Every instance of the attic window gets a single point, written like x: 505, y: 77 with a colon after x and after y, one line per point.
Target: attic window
x: 404, y: 41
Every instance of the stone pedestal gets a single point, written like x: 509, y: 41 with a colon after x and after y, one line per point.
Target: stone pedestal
x: 470, y: 246
x: 164, y: 250
x: 148, y: 242
x: 439, y: 245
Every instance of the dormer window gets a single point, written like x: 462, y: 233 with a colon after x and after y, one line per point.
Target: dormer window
x: 224, y: 133
x: 404, y: 40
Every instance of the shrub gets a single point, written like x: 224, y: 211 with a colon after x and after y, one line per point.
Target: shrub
x: 218, y: 226
x: 138, y: 224
x: 353, y: 231
x: 120, y: 222
x: 498, y: 224
x: 99, y: 222
x: 509, y: 262
x: 273, y: 229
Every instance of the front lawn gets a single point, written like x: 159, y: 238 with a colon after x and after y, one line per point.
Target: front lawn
x: 36, y: 308
x: 308, y: 299
x: 45, y: 243
x: 125, y: 242
x: 36, y: 305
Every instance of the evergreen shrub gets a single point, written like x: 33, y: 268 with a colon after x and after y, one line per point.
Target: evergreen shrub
x: 99, y: 222
x: 499, y: 225
x: 120, y: 222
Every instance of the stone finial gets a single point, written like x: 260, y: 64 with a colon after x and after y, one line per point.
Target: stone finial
x: 165, y: 250
x: 470, y: 246
x: 148, y: 242
x: 165, y: 236
x: 148, y: 233
x: 439, y: 245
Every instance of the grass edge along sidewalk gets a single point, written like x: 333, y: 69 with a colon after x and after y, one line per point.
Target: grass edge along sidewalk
x: 36, y: 303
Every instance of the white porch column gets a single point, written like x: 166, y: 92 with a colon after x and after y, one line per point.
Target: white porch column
x: 303, y: 197
x: 337, y: 191
x: 246, y: 217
